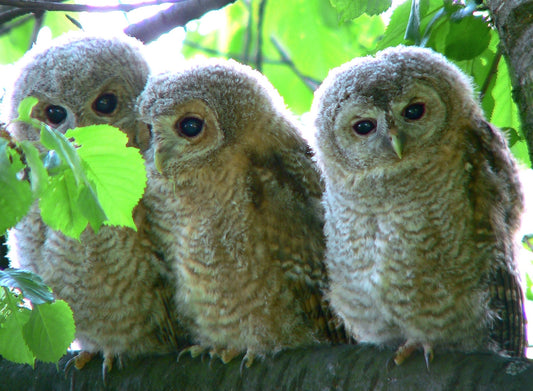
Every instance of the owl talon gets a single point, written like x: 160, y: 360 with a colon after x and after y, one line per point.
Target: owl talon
x: 404, y: 352
x: 428, y: 354
x: 107, y: 366
x: 195, y: 351
x: 248, y: 360
x: 79, y: 361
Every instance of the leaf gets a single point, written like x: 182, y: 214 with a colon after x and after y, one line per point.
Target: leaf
x: 50, y: 330
x: 17, y: 42
x: 467, y: 38
x: 377, y: 7
x: 38, y: 172
x: 529, y: 287
x: 412, y: 32
x: 31, y: 285
x: 527, y: 242
x: 15, y: 195
x: 117, y: 171
x: 12, y: 344
x: 25, y: 108
x: 59, y: 205
x: 349, y: 9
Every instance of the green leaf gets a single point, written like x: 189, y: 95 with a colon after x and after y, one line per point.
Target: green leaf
x: 377, y: 7
x: 467, y: 38
x: 15, y: 195
x: 31, y: 285
x: 50, y: 330
x: 25, y: 108
x: 12, y: 344
x: 413, y: 26
x: 529, y: 287
x: 117, y: 171
x: 349, y: 9
x: 38, y: 173
x: 527, y: 242
x: 59, y: 205
x: 17, y: 42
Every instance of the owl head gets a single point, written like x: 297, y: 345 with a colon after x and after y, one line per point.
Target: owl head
x: 208, y: 108
x: 81, y: 80
x: 381, y: 111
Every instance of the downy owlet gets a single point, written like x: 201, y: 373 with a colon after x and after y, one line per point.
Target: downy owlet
x: 235, y: 197
x: 118, y: 287
x: 422, y: 201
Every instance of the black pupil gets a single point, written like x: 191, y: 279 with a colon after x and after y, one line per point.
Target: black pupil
x: 414, y: 111
x: 364, y: 127
x: 56, y: 114
x: 106, y: 103
x: 191, y: 126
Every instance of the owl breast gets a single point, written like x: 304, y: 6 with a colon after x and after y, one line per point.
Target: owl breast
x: 387, y: 240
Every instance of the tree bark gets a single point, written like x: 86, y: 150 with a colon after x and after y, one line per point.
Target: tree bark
x: 514, y: 22
x: 179, y: 14
x: 345, y: 367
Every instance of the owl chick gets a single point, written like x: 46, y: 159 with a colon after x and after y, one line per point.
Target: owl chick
x: 422, y: 200
x: 236, y: 206
x: 117, y: 285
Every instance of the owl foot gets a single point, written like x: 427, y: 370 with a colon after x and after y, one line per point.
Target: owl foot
x: 408, y: 348
x: 79, y: 360
x: 247, y: 360
x: 194, y: 350
x: 226, y: 355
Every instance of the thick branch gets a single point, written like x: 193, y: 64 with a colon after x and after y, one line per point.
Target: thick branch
x: 514, y: 21
x: 55, y: 6
x: 177, y: 15
x: 321, y: 368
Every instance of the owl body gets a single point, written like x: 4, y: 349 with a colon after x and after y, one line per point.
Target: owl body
x: 118, y: 286
x: 422, y: 201
x: 245, y: 232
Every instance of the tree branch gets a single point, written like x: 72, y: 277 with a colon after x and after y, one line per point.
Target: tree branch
x: 55, y: 6
x: 260, y: 22
x: 345, y: 367
x: 311, y: 83
x: 176, y: 15
x: 514, y: 22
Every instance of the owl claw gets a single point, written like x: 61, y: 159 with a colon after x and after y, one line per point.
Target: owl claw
x: 404, y: 352
x: 78, y: 361
x: 428, y: 354
x: 248, y: 360
x: 195, y: 351
x: 107, y: 365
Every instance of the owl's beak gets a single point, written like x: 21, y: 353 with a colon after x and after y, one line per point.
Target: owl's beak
x: 397, y: 141
x: 158, y: 162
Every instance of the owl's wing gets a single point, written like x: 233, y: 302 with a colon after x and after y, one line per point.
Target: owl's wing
x: 286, y: 189
x: 496, y: 197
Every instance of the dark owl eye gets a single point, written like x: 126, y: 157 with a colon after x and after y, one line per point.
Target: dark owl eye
x: 55, y: 114
x: 364, y: 127
x: 105, y: 103
x: 190, y: 126
x: 414, y: 111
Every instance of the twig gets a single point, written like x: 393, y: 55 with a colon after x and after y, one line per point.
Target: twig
x: 6, y: 29
x: 310, y: 82
x: 39, y: 16
x: 54, y: 6
x: 249, y: 33
x: 177, y: 15
x: 492, y: 72
x: 11, y: 14
x: 260, y: 20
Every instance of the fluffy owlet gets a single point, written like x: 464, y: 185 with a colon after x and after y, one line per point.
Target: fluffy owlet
x: 235, y: 197
x: 118, y: 287
x: 422, y: 200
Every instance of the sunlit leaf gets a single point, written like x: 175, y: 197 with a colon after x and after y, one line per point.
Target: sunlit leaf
x: 467, y: 38
x: 529, y: 287
x: 12, y: 344
x: 412, y: 32
x: 38, y: 172
x: 117, y: 171
x: 17, y: 42
x: 31, y: 285
x: 50, y: 330
x: 15, y: 195
x: 25, y: 108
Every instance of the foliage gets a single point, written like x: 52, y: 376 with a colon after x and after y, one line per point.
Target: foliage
x: 75, y: 186
x: 72, y: 180
x: 42, y: 330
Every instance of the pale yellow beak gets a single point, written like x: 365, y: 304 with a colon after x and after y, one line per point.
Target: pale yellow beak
x: 158, y: 163
x: 397, y: 142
